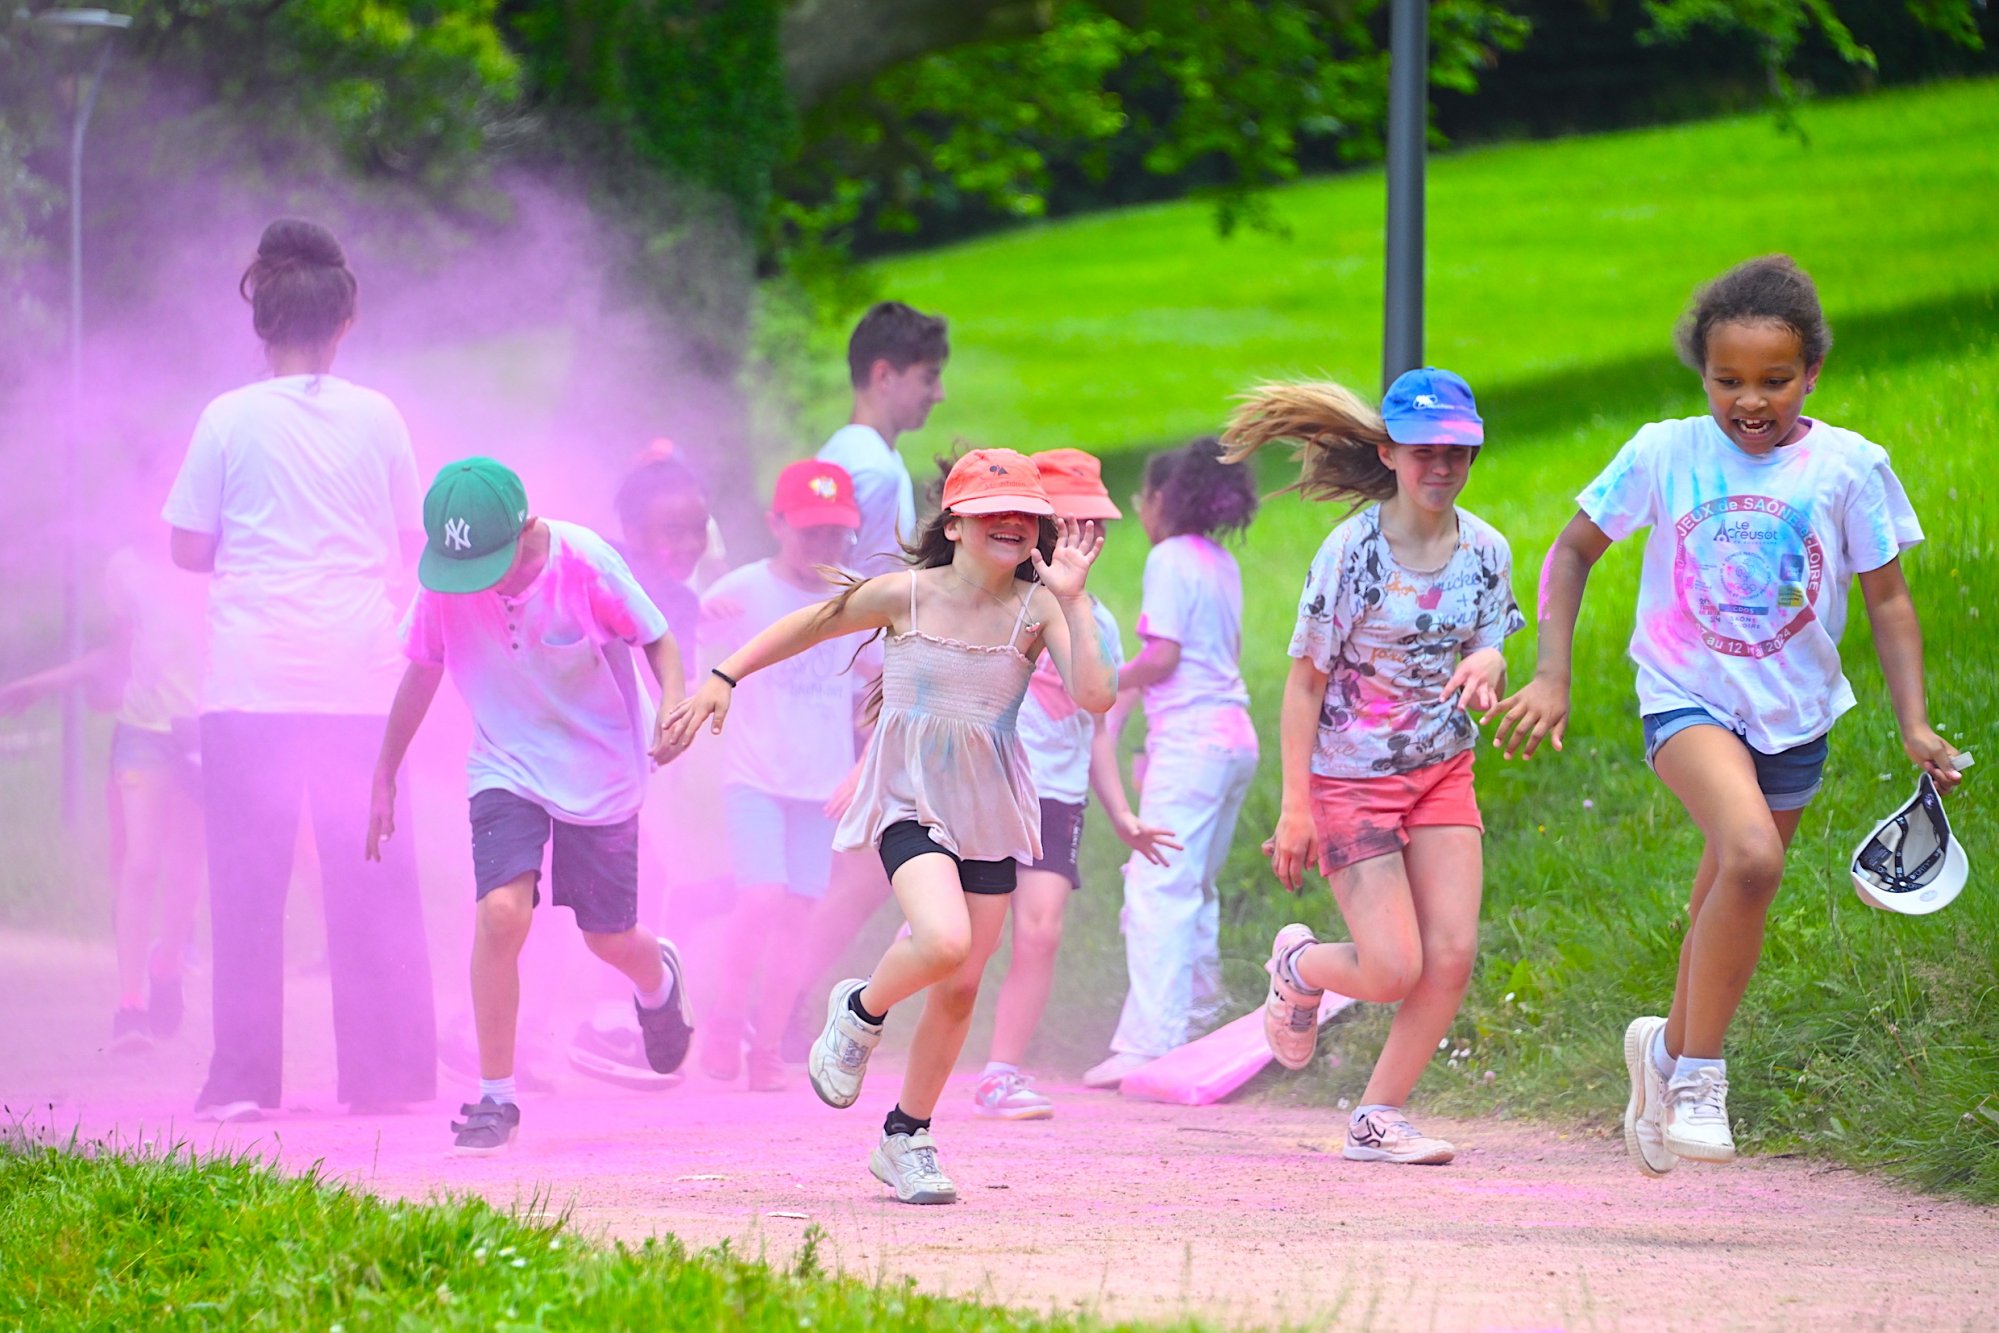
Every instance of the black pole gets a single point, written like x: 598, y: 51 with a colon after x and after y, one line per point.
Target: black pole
x: 1408, y: 126
x: 72, y: 462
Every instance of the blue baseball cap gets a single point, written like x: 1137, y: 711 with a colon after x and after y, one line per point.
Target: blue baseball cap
x: 1431, y: 406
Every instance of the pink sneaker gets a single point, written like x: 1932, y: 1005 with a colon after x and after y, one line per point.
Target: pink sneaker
x: 1290, y: 1013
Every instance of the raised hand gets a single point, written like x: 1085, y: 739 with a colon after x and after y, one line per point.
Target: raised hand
x: 1076, y: 549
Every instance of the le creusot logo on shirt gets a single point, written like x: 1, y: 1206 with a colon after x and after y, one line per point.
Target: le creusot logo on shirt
x: 1748, y: 569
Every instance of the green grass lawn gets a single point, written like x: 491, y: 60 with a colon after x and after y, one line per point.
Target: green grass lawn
x: 1557, y: 271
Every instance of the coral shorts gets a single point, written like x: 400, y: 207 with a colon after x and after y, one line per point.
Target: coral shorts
x: 1358, y: 819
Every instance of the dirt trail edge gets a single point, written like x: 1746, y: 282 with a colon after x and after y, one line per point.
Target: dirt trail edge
x: 1237, y: 1214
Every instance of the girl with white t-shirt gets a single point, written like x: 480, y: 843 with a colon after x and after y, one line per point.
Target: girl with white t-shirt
x: 1200, y: 749
x: 299, y: 497
x: 1760, y: 519
x: 1397, y: 641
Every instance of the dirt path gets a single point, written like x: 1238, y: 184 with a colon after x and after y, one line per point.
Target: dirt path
x: 1240, y: 1214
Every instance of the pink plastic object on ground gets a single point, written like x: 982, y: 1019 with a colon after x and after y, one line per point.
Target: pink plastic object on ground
x: 1207, y: 1070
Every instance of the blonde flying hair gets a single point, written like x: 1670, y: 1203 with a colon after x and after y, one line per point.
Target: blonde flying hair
x: 1335, y: 434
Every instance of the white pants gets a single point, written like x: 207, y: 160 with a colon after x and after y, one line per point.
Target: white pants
x: 1197, y: 772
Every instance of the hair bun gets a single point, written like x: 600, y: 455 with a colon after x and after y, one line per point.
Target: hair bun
x: 297, y: 241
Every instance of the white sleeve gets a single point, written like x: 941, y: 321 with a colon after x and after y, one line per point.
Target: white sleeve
x: 1167, y: 604
x: 1624, y: 497
x: 1327, y: 607
x: 195, y: 502
x: 1879, y: 523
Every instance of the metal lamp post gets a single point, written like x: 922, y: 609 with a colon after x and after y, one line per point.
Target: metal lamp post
x: 1408, y: 128
x: 79, y: 26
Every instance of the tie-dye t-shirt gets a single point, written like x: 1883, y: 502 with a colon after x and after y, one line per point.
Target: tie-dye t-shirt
x: 1388, y: 639
x: 1747, y: 568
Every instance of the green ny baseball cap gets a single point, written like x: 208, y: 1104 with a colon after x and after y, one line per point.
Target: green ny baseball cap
x: 472, y: 521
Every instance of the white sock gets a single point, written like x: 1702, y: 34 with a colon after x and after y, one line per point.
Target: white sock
x: 998, y: 1067
x: 1660, y: 1060
x: 653, y: 999
x: 1688, y: 1065
x: 1369, y: 1109
x: 1290, y: 965
x: 499, y: 1089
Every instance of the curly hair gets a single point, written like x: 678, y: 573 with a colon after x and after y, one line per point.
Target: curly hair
x: 1200, y: 490
x: 1334, y: 432
x: 1771, y: 289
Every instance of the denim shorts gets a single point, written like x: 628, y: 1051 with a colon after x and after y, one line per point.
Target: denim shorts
x: 1789, y: 779
x: 594, y: 871
x: 175, y: 753
x: 905, y: 841
x: 778, y: 840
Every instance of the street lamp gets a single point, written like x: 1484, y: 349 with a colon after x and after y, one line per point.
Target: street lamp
x: 1408, y: 130
x: 78, y: 29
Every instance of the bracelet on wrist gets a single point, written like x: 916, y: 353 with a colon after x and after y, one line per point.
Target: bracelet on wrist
x: 723, y: 676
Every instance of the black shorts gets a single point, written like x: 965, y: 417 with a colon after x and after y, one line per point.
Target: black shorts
x: 595, y: 869
x: 904, y: 842
x: 1061, y: 839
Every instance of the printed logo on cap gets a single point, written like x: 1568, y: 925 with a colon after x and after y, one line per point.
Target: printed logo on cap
x: 824, y: 487
x: 458, y: 534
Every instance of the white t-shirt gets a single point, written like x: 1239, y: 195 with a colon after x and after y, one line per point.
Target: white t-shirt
x: 791, y: 726
x: 1748, y: 567
x: 1193, y: 596
x: 164, y: 610
x: 306, y: 482
x: 559, y: 716
x: 1054, y: 728
x: 882, y: 492
x: 1388, y: 639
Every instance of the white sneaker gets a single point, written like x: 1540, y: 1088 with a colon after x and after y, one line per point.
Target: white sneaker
x: 1290, y: 1013
x: 838, y: 1060
x: 1696, y: 1121
x: 1387, y: 1136
x: 1109, y: 1073
x: 907, y: 1164
x: 1644, y: 1114
x: 1004, y: 1095
x: 229, y: 1113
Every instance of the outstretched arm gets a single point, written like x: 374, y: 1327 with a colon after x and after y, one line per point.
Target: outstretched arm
x: 1541, y: 707
x: 1898, y: 641
x: 406, y: 714
x: 872, y: 606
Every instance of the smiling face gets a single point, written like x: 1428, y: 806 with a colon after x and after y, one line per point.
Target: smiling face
x: 1000, y: 541
x: 1756, y: 380
x: 1430, y: 476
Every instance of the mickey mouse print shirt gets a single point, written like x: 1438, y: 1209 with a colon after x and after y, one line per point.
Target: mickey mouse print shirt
x: 1389, y: 637
x: 1747, y: 568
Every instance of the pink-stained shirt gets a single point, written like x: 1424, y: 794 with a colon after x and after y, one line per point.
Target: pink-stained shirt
x: 1743, y: 594
x: 1389, y: 637
x: 1193, y: 596
x: 559, y: 715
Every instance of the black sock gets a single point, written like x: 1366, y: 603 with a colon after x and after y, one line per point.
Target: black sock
x: 872, y: 1020
x: 901, y: 1122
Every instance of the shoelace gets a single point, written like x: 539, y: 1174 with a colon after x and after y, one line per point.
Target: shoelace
x: 1006, y: 1085
x: 1706, y: 1099
x: 926, y: 1164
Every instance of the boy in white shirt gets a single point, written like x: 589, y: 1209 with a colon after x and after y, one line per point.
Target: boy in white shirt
x: 895, y: 360
x: 532, y: 618
x: 788, y: 749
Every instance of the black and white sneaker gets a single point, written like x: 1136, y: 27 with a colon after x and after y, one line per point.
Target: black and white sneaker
x: 489, y: 1126
x: 669, y: 1029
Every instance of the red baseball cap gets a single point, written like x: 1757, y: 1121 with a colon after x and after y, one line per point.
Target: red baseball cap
x: 1074, y: 481
x: 810, y: 493
x: 995, y: 481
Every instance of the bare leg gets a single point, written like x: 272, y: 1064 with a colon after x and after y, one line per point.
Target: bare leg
x: 634, y: 952
x: 144, y: 795
x: 499, y: 930
x: 1710, y: 770
x: 940, y: 932
x: 180, y: 889
x: 947, y: 1010
x: 1037, y: 907
x: 1385, y: 959
x: 1445, y: 867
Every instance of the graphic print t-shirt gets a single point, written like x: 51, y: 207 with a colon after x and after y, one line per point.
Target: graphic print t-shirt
x: 1054, y: 729
x: 1747, y: 568
x: 1388, y: 639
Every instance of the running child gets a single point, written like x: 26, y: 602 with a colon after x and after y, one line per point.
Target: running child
x: 1760, y: 518
x: 791, y: 745
x: 532, y: 619
x: 1200, y: 748
x: 944, y: 794
x: 1070, y: 751
x: 1397, y: 643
